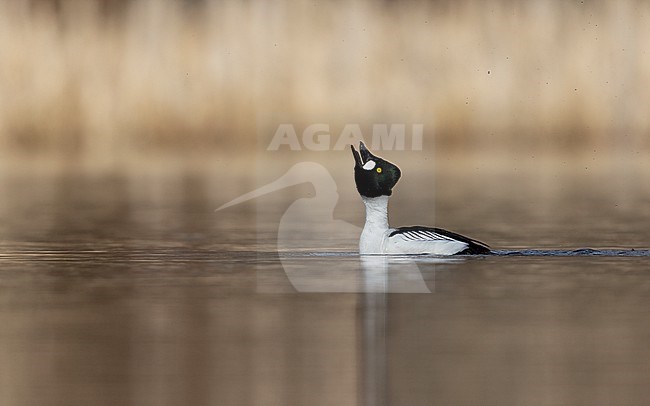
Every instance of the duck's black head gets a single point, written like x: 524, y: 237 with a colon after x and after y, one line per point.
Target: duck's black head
x: 374, y: 176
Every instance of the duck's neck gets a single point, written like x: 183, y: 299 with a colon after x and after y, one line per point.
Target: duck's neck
x: 376, y: 213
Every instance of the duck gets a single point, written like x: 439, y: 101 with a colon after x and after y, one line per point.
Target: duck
x: 375, y: 179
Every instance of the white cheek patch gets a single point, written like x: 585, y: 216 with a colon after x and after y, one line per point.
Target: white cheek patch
x: 369, y: 165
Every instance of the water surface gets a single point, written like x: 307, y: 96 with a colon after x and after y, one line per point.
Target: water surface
x: 131, y: 290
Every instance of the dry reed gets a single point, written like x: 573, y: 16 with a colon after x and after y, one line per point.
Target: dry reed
x: 80, y: 81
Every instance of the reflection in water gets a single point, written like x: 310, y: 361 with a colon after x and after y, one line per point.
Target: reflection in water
x: 352, y: 273
x: 373, y: 348
x: 132, y: 291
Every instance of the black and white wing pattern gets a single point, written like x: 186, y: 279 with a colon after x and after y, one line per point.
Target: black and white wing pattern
x: 430, y: 240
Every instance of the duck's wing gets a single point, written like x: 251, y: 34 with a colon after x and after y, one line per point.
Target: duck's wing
x: 417, y: 236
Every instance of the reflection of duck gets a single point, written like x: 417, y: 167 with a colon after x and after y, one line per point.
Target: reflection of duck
x: 375, y: 179
x: 308, y: 225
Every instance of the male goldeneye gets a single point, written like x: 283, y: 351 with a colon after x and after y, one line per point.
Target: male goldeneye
x: 375, y: 178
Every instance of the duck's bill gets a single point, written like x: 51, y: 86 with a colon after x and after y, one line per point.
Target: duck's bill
x: 365, y: 153
x: 363, y: 156
x: 357, y: 157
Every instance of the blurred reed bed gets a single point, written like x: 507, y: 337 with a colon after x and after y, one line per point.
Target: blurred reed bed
x: 102, y: 81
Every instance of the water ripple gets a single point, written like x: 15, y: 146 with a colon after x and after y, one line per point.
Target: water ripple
x: 581, y: 252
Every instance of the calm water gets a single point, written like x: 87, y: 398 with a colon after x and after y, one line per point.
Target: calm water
x: 132, y: 290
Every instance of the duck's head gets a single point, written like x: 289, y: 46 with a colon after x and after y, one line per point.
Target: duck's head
x: 374, y: 176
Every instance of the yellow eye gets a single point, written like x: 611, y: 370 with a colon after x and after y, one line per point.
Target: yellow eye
x: 378, y: 170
